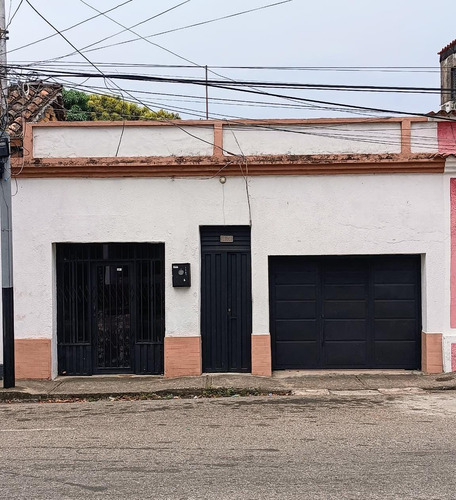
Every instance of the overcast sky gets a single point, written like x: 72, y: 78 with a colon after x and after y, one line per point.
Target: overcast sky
x: 396, y: 34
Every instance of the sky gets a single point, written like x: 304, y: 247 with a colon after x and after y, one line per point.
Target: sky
x: 333, y: 42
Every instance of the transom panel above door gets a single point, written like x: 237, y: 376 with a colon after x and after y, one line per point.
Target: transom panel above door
x: 345, y: 312
x: 110, y: 308
x: 226, y: 304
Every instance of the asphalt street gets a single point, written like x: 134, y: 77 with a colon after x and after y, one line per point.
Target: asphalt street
x: 381, y: 446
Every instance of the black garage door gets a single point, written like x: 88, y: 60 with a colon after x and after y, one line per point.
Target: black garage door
x: 345, y: 312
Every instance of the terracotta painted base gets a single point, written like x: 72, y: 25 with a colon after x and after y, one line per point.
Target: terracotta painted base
x: 182, y: 356
x: 431, y: 353
x: 32, y: 358
x: 261, y: 355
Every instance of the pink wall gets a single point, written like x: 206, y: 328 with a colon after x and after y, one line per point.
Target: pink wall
x: 446, y: 133
x: 453, y: 251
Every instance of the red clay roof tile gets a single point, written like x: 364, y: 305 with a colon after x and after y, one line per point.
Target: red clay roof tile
x: 29, y: 101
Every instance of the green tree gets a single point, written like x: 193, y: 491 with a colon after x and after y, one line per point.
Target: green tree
x: 76, y: 106
x: 84, y: 107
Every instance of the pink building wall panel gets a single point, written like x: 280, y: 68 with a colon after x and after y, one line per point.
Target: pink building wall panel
x: 446, y: 134
x: 453, y: 251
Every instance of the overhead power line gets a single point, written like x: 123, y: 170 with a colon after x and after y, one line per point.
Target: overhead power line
x: 201, y: 23
x: 105, y: 77
x: 221, y: 85
x: 239, y: 83
x: 14, y: 14
x: 353, y: 133
x: 130, y: 29
x: 172, y: 97
x: 124, y: 27
x: 238, y: 88
x: 400, y: 69
x: 66, y: 29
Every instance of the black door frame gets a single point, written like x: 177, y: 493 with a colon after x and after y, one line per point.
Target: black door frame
x: 213, y: 310
x: 370, y: 262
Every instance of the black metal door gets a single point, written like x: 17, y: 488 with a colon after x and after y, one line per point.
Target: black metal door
x: 113, y: 337
x: 226, y: 305
x: 345, y: 312
x: 110, y: 308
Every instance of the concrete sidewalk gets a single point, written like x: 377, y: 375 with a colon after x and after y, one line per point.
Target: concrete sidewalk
x: 289, y: 382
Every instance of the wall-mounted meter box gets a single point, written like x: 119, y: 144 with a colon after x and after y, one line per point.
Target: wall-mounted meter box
x: 181, y: 275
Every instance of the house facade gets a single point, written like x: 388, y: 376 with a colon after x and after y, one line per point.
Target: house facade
x: 192, y: 247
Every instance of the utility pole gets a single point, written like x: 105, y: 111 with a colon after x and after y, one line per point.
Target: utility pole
x: 6, y: 219
x: 207, y: 95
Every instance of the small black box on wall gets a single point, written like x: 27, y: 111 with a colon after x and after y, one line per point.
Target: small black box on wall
x: 181, y: 275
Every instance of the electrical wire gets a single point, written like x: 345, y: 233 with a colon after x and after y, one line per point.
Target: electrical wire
x: 322, y: 131
x: 240, y: 87
x: 245, y: 176
x: 107, y: 77
x: 65, y: 29
x: 242, y: 83
x: 14, y: 14
x: 163, y: 48
x: 130, y: 29
x: 399, y: 69
x: 201, y: 23
x: 104, y: 76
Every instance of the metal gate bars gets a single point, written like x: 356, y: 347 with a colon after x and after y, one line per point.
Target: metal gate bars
x: 110, y: 308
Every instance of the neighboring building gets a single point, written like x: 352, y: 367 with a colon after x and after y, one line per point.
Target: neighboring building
x: 32, y: 102
x: 448, y: 77
x: 242, y: 246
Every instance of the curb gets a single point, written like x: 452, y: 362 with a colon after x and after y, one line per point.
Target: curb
x: 222, y: 392
x: 210, y: 393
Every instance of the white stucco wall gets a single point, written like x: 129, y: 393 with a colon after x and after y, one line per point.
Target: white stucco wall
x: 137, y: 141
x: 313, y: 139
x: 74, y: 142
x: 308, y: 215
x: 424, y: 137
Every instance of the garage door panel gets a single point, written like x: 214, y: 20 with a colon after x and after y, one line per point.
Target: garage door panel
x: 345, y: 309
x: 296, y: 310
x: 394, y: 292
x: 296, y: 292
x: 389, y: 309
x: 342, y: 330
x: 298, y: 330
x: 296, y: 278
x: 344, y: 277
x: 394, y: 276
x: 295, y: 355
x: 345, y: 354
x: 396, y: 353
x: 336, y: 292
x: 391, y: 329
